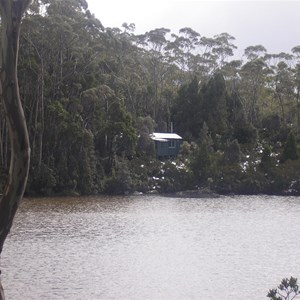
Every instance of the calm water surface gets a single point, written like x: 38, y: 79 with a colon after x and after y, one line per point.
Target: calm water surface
x: 151, y: 247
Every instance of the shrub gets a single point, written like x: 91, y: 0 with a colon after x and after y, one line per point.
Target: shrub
x: 288, y: 289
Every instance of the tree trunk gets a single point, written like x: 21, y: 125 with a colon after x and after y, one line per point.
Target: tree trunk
x: 11, y: 14
x: 1, y: 291
x: 298, y: 109
x: 42, y: 118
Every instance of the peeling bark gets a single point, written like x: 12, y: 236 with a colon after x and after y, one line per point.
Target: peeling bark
x: 11, y: 15
x: 1, y: 291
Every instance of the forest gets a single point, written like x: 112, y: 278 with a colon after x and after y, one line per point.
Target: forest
x: 93, y: 95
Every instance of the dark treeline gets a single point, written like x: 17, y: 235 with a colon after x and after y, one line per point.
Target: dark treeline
x: 92, y: 95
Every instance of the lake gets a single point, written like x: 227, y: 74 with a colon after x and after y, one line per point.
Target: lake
x: 151, y: 247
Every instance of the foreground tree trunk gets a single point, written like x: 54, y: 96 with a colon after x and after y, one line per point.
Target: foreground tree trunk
x: 11, y: 14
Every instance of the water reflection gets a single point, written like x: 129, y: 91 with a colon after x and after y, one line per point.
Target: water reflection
x: 151, y: 247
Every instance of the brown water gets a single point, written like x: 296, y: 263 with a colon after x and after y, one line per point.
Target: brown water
x: 151, y: 247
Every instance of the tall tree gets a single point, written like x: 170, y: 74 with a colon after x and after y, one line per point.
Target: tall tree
x: 290, y: 150
x: 187, y: 110
x: 284, y: 90
x: 156, y: 43
x: 11, y: 15
x: 254, y: 52
x: 253, y: 74
x: 215, y: 104
x: 296, y: 51
x: 182, y: 48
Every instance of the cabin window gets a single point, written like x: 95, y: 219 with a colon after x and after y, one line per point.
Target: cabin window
x: 172, y: 144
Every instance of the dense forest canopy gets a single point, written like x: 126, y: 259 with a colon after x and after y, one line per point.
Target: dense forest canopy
x: 92, y: 95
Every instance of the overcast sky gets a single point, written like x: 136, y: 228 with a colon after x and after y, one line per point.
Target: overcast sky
x: 273, y: 24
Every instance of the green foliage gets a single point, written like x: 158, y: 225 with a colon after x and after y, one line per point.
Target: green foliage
x: 229, y: 179
x: 252, y: 182
x: 267, y: 162
x: 290, y: 150
x: 245, y: 134
x: 235, y: 111
x: 174, y: 177
x: 145, y: 145
x: 42, y: 182
x: 198, y: 104
x: 187, y: 152
x: 229, y: 175
x: 215, y: 105
x: 142, y: 170
x: 202, y: 164
x: 284, y: 179
x: 120, y: 181
x: 187, y: 111
x: 149, y: 174
x: 232, y: 153
x: 271, y: 123
x: 86, y: 170
x: 288, y: 289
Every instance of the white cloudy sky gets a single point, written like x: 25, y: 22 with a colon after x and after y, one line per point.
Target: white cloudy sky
x: 273, y: 24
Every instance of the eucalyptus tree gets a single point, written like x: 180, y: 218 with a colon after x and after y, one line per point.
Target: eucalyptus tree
x: 11, y: 16
x: 183, y: 48
x: 255, y: 52
x: 117, y: 138
x: 231, y: 72
x: 212, y: 54
x: 296, y: 70
x: 127, y: 69
x: 224, y: 48
x: 156, y: 42
x: 296, y: 80
x: 73, y: 30
x: 207, y: 59
x: 284, y: 91
x: 282, y: 84
x: 85, y: 77
x: 33, y: 72
x: 61, y: 55
x: 296, y: 52
x: 252, y: 84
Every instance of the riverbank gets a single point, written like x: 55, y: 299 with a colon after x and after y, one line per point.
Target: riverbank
x: 200, y: 193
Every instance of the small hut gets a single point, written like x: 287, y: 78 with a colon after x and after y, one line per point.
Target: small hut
x: 167, y: 145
